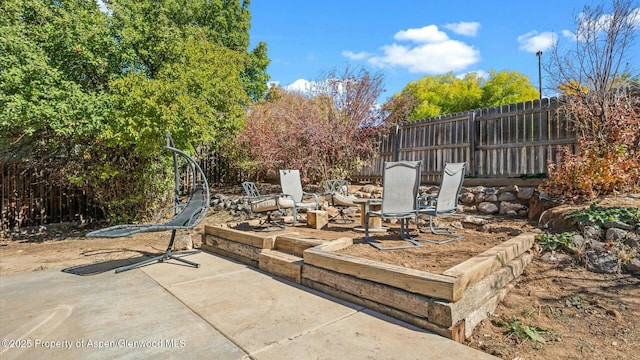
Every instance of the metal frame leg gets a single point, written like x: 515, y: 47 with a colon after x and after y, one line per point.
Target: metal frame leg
x: 404, y: 234
x: 160, y: 258
x: 441, y: 231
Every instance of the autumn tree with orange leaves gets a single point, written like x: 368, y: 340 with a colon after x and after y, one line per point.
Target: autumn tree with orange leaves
x: 326, y: 132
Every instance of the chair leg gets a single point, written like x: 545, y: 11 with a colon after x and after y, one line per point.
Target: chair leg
x: 441, y: 231
x: 269, y: 224
x: 168, y: 254
x: 342, y: 215
x: 403, y: 234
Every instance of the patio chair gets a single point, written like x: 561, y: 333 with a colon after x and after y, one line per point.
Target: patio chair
x: 292, y: 186
x: 400, y: 184
x: 445, y: 202
x: 266, y: 204
x: 183, y: 215
x: 340, y: 199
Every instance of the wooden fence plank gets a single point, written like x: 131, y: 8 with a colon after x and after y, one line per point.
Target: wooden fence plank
x: 500, y: 142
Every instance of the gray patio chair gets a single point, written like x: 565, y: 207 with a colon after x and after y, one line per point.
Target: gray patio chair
x: 400, y: 184
x: 445, y: 202
x: 338, y: 190
x: 183, y: 215
x: 267, y: 204
x: 292, y: 186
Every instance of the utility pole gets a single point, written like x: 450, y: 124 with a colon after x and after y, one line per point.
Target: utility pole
x: 539, y: 55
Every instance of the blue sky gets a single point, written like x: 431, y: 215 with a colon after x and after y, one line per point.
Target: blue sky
x: 408, y: 40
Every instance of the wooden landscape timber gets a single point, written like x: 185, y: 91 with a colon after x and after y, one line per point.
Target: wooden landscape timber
x: 450, y: 304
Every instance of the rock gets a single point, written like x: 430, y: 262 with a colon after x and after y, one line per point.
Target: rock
x: 183, y: 242
x: 602, y: 262
x: 538, y: 205
x: 510, y: 188
x: 490, y: 191
x: 506, y: 196
x: 487, y: 208
x: 490, y: 197
x: 369, y: 188
x: 598, y: 246
x: 632, y: 240
x: 466, y: 209
x: 557, y: 258
x: 525, y: 193
x: 510, y: 207
x: 616, y: 225
x: 578, y: 241
x: 457, y: 225
x: 477, y: 189
x: 554, y: 220
x: 474, y: 220
x: 615, y: 234
x: 633, y: 266
x: 467, y: 198
x: 592, y: 232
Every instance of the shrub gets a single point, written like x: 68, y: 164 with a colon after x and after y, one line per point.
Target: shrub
x: 608, y: 156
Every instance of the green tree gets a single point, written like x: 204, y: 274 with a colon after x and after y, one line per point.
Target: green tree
x: 444, y: 94
x: 507, y: 87
x: 197, y: 98
x: 185, y: 71
x: 449, y: 94
x: 95, y: 92
x: 151, y: 33
x: 55, y: 62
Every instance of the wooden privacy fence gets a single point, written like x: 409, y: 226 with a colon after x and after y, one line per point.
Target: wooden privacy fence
x: 32, y: 197
x: 499, y: 142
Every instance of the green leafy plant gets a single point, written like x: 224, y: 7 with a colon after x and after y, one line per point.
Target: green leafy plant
x: 556, y: 242
x: 515, y: 327
x: 598, y: 215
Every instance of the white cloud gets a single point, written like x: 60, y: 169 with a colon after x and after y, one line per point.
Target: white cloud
x: 356, y: 56
x: 464, y: 28
x: 436, y: 58
x: 534, y: 41
x: 635, y: 17
x: 568, y: 34
x: 603, y: 23
x: 300, y: 86
x: 429, y: 51
x: 426, y: 34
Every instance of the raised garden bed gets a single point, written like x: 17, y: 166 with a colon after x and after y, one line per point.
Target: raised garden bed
x: 449, y: 302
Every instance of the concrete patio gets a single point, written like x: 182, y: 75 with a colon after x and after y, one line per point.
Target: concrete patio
x: 223, y: 310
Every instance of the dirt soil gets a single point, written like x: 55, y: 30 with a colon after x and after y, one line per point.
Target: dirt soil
x: 580, y: 315
x: 430, y: 257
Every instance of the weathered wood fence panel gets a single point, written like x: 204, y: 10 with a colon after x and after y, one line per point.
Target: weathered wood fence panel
x: 499, y: 142
x: 31, y: 197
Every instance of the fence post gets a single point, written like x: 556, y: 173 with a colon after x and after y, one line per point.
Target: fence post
x: 396, y: 144
x: 472, y: 143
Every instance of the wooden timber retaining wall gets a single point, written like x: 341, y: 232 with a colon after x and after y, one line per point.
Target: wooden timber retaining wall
x: 450, y: 304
